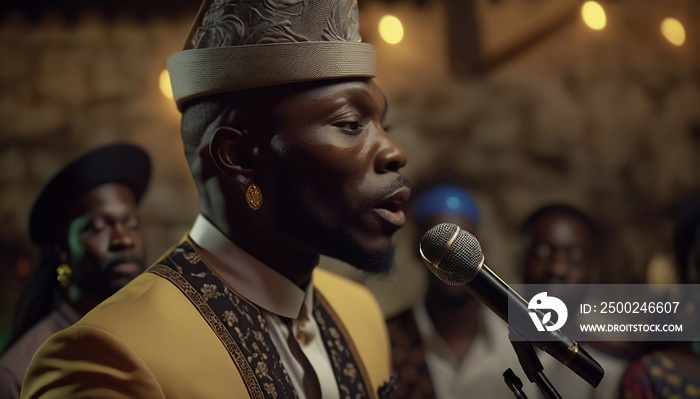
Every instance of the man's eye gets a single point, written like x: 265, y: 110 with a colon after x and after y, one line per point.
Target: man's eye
x: 96, y: 226
x: 543, y: 251
x: 132, y: 223
x: 349, y: 127
x: 577, y: 255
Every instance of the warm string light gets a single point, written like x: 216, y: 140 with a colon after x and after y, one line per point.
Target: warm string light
x: 595, y: 18
x: 673, y: 30
x: 391, y: 29
x: 593, y: 15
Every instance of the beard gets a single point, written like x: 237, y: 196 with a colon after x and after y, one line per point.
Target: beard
x: 343, y: 246
x: 447, y: 296
x: 96, y: 279
x: 301, y: 219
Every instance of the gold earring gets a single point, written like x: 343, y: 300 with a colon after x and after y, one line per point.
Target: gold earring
x: 64, y: 273
x: 253, y: 196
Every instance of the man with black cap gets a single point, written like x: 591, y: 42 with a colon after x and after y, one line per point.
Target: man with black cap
x: 283, y: 130
x: 85, y: 224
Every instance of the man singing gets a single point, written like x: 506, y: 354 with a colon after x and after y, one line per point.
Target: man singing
x: 283, y: 130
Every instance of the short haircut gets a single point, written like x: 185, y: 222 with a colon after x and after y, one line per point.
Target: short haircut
x: 558, y: 208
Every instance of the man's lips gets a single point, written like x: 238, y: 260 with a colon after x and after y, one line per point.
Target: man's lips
x: 391, y: 207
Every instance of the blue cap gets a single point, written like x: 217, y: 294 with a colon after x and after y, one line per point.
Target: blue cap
x: 446, y: 199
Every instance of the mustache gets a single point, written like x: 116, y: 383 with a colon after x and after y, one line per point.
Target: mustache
x: 123, y: 258
x: 381, y: 194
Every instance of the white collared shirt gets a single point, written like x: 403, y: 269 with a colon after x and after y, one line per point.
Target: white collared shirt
x: 480, y: 373
x: 276, y: 296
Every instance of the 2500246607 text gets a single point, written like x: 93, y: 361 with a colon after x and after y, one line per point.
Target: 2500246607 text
x: 630, y: 307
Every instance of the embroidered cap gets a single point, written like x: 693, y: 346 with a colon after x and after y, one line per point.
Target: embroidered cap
x: 235, y: 45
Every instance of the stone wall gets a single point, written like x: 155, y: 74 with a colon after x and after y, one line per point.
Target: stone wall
x: 609, y: 121
x: 66, y: 88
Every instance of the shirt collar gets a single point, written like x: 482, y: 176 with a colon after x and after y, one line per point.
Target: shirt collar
x: 248, y: 276
x: 429, y: 333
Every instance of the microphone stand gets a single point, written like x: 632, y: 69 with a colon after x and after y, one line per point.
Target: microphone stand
x: 533, y: 368
x: 514, y: 384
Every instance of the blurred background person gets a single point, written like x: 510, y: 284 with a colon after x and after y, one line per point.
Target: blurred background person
x: 672, y: 369
x: 449, y: 345
x: 17, y: 255
x: 86, y: 225
x: 561, y: 246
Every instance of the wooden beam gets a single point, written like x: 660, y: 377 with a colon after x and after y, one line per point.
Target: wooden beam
x: 463, y: 38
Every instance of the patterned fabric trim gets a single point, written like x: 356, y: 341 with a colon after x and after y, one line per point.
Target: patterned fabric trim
x: 351, y: 376
x: 238, y: 324
x: 668, y: 380
x: 408, y: 358
x: 242, y: 329
x: 656, y: 376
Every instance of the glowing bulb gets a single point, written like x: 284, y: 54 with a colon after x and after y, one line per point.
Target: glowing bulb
x: 673, y: 31
x: 391, y: 29
x: 164, y: 83
x: 593, y: 15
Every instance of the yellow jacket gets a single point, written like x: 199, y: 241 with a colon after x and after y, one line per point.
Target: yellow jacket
x: 149, y: 341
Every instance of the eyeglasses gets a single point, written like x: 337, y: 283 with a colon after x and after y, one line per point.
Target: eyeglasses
x: 575, y: 253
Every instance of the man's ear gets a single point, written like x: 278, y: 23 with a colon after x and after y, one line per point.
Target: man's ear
x: 232, y: 153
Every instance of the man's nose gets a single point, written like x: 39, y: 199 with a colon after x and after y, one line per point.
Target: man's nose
x: 559, y: 263
x: 122, y: 238
x: 391, y: 156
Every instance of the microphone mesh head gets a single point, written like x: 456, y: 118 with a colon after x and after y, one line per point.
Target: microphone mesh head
x: 460, y: 262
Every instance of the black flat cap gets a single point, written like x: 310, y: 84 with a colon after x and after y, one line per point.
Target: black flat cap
x: 114, y: 163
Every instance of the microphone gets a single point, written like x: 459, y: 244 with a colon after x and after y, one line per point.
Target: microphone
x: 455, y: 257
